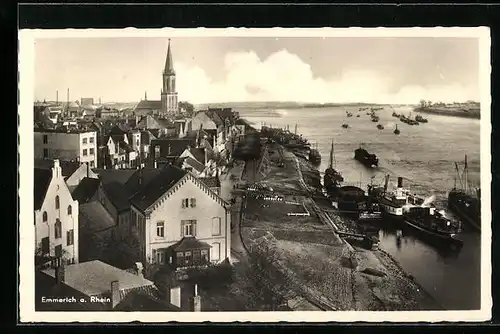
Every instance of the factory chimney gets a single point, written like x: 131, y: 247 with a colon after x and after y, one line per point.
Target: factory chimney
x: 57, y: 97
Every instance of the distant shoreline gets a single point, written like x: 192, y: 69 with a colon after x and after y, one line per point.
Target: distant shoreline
x: 475, y: 114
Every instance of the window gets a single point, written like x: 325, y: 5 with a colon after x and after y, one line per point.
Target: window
x: 45, y: 139
x: 188, y: 228
x: 84, y: 141
x: 85, y: 152
x: 216, y: 225
x: 91, y: 140
x: 70, y: 210
x: 185, y: 202
x: 160, y: 229
x: 58, y: 250
x: 57, y: 202
x: 160, y: 257
x: 187, y: 258
x: 216, y: 251
x: 58, y: 229
x: 44, y: 216
x: 180, y: 259
x: 45, y: 153
x: 45, y: 245
x: 92, y: 163
x: 91, y: 151
x: 70, y: 237
x: 204, y: 255
x: 193, y: 202
x: 138, y: 143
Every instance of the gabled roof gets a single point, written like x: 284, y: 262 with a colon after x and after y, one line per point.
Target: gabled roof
x: 223, y: 113
x: 211, y: 181
x: 214, y: 117
x: 149, y: 104
x: 189, y: 243
x: 158, y: 186
x: 67, y: 167
x: 170, y: 179
x: 41, y: 180
x: 194, y: 164
x: 94, y: 217
x: 117, y: 194
x: 146, y: 137
x: 85, y: 190
x: 114, y: 175
x: 147, y: 174
x: 198, y: 153
x: 141, y: 301
x: 177, y: 146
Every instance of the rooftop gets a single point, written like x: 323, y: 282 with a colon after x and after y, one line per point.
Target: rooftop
x: 211, y: 181
x: 95, y: 217
x: 94, y: 278
x: 114, y: 175
x: 65, y: 130
x: 85, y: 190
x: 189, y: 243
x: 67, y: 167
x: 42, y: 178
x: 158, y: 186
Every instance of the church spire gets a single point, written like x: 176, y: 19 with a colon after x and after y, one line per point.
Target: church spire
x: 169, y: 64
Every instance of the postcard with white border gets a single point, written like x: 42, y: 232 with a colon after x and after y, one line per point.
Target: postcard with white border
x: 264, y: 175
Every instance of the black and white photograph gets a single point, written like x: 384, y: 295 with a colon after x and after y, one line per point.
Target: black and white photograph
x: 255, y: 175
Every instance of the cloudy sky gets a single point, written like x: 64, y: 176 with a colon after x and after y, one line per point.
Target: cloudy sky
x: 232, y: 69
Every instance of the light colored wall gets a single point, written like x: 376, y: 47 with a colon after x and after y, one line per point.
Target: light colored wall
x: 171, y: 212
x: 56, y: 187
x: 66, y: 146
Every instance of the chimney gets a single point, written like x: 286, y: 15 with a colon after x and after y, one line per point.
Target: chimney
x: 169, y: 149
x: 400, y: 182
x: 56, y: 170
x: 88, y: 169
x: 138, y: 269
x: 57, y: 97
x: 115, y: 293
x: 59, y: 272
x: 196, y: 300
x: 155, y: 164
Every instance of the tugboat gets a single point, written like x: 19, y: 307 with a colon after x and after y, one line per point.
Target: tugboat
x: 396, y: 131
x: 367, y: 159
x: 332, y: 178
x: 432, y: 223
x: 380, y: 127
x: 465, y: 203
x: 394, y: 114
x: 393, y: 203
x: 420, y: 119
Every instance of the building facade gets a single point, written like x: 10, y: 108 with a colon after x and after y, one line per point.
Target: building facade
x: 76, y: 145
x: 188, y: 210
x: 56, y: 216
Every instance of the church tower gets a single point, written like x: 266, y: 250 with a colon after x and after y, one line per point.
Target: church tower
x: 169, y: 101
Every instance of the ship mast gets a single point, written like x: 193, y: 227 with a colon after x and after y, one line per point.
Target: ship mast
x: 465, y: 175
x: 459, y: 176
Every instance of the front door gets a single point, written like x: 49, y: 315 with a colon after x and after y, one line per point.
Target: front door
x: 58, y: 251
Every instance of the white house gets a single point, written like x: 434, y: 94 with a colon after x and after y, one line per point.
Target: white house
x: 56, y: 215
x: 181, y: 221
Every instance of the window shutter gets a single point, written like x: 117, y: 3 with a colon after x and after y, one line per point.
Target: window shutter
x: 154, y: 256
x: 194, y: 228
x: 183, y: 203
x: 193, y: 202
x: 182, y: 229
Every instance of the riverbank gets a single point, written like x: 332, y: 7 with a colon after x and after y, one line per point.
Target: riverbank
x: 307, y: 256
x: 475, y: 113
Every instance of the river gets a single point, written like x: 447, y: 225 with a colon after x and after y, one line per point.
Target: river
x: 424, y: 156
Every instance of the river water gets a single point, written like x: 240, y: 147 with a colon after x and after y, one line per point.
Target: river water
x: 424, y: 156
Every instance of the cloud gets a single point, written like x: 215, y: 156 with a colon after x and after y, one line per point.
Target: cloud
x: 283, y: 76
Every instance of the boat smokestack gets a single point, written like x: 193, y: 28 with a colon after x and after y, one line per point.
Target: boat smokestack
x: 400, y: 182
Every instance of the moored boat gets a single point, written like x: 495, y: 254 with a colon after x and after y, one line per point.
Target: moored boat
x: 432, y: 223
x: 345, y: 125
x: 420, y: 119
x: 332, y: 179
x: 380, y: 126
x: 464, y: 201
x: 367, y: 159
x: 396, y: 131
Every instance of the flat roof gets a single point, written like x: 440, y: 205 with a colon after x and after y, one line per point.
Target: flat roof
x: 93, y: 278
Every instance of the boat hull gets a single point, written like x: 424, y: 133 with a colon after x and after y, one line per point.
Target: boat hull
x: 463, y: 216
x: 448, y: 237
